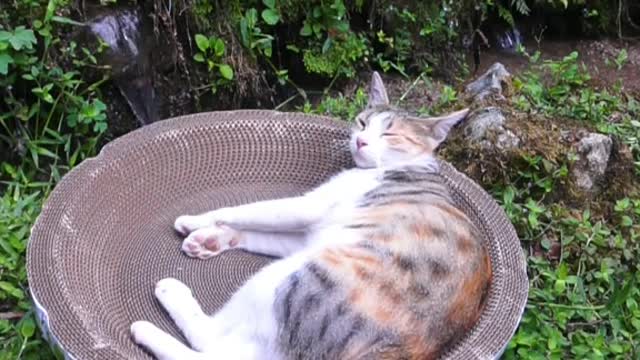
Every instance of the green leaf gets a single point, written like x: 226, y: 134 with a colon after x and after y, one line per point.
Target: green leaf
x: 317, y: 29
x: 218, y: 47
x: 270, y: 16
x: 293, y: 48
x: 46, y: 152
x: 5, y: 35
x: 198, y: 57
x: 342, y: 26
x: 226, y: 71
x: 5, y: 60
x: 306, y: 29
x: 252, y: 17
x: 22, y: 38
x: 67, y: 21
x: 616, y: 348
x: 269, y: 3
x: 27, y: 327
x: 244, y: 33
x: 10, y: 289
x: 202, y: 42
x: 100, y: 127
x: 326, y: 45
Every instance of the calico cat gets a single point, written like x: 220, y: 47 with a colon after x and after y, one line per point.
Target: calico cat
x: 378, y: 262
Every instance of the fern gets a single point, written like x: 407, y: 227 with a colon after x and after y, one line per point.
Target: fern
x: 521, y: 6
x: 506, y: 15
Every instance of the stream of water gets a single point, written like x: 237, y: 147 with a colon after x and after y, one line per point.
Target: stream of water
x: 128, y: 56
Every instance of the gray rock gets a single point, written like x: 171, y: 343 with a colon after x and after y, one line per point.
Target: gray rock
x: 489, y: 83
x: 490, y: 120
x: 507, y: 140
x: 594, y: 151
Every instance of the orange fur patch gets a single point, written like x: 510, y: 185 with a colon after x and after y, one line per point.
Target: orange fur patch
x: 464, y: 309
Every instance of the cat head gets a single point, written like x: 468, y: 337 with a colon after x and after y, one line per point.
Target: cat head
x: 386, y: 136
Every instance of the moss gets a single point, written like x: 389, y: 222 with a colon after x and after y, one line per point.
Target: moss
x: 553, y: 140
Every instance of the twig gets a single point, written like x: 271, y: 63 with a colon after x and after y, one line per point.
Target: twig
x: 576, y: 325
x: 544, y: 231
x: 563, y: 306
x: 483, y: 37
x: 286, y: 101
x: 335, y: 77
x: 299, y: 89
x: 413, y: 85
x: 11, y: 315
x: 619, y: 19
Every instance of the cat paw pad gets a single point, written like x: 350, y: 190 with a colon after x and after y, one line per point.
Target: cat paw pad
x: 210, y: 241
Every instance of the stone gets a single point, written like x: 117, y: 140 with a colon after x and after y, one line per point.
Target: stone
x: 594, y: 151
x: 489, y: 83
x: 482, y: 122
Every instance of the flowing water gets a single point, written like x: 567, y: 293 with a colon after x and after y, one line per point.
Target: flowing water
x: 128, y: 56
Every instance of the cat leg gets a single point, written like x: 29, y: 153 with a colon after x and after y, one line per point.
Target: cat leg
x: 293, y: 214
x: 211, y: 338
x: 212, y: 240
x: 162, y: 345
x: 185, y: 311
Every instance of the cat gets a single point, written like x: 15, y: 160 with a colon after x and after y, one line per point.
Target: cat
x: 378, y: 262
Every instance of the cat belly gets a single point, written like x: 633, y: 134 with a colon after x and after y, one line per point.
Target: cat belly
x: 250, y: 314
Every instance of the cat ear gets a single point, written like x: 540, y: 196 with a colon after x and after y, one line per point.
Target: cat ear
x: 441, y: 125
x: 377, y: 92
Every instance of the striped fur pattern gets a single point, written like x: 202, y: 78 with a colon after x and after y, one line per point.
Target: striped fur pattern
x: 416, y: 281
x: 378, y: 263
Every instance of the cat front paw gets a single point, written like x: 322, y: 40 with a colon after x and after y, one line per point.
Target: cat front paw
x: 186, y: 224
x: 174, y: 296
x: 210, y: 241
x: 143, y: 332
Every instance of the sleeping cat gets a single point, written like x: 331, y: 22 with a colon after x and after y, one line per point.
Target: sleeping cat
x: 378, y: 262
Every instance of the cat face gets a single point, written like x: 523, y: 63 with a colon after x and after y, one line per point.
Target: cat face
x: 386, y: 136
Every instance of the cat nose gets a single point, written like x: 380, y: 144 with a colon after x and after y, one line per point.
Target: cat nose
x: 360, y: 143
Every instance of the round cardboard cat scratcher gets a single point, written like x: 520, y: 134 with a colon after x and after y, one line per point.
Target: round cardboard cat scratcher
x: 105, y: 235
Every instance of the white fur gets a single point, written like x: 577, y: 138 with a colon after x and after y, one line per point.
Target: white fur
x: 294, y: 228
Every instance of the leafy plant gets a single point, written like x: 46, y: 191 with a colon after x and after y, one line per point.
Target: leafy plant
x: 565, y: 92
x: 582, y: 302
x: 620, y: 60
x: 211, y: 52
x: 12, y: 43
x: 252, y: 36
x: 341, y: 107
x: 398, y: 46
x: 50, y: 120
x: 326, y: 19
x: 270, y: 15
x: 338, y: 59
